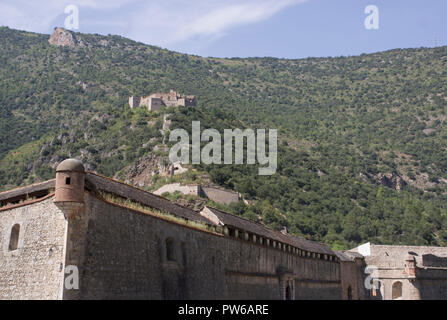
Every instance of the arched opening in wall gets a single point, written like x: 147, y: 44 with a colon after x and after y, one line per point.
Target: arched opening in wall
x: 170, y: 253
x: 14, y: 239
x: 349, y: 293
x: 396, y: 290
x: 288, y: 293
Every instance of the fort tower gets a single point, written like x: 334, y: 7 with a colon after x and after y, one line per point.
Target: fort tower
x: 70, y: 180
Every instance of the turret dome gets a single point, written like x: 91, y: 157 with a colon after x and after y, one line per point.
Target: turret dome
x: 72, y: 165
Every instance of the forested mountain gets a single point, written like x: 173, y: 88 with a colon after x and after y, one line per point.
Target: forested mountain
x: 362, y: 152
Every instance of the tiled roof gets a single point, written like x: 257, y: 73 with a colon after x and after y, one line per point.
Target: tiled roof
x: 348, y: 256
x: 37, y: 189
x: 97, y: 182
x: 157, y: 202
x: 253, y: 227
x: 109, y: 185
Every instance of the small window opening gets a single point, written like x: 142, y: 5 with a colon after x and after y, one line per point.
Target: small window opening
x: 67, y: 180
x: 170, y: 256
x: 14, y: 240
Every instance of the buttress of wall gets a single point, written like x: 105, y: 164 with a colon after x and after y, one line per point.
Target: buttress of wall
x: 131, y: 255
x: 35, y: 270
x: 352, y: 277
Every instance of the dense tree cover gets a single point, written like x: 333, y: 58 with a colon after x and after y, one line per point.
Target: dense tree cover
x: 341, y: 121
x: 330, y: 206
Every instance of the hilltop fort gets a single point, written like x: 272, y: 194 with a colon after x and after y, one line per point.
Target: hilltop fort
x: 157, y: 100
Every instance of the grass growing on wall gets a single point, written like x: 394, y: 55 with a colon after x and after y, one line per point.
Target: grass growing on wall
x: 128, y: 203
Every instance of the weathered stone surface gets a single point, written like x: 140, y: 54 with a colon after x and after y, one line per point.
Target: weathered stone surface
x: 217, y: 194
x: 122, y: 254
x: 35, y: 270
x: 126, y: 247
x: 177, y: 187
x: 156, y: 100
x: 426, y: 279
x: 126, y: 257
x: 221, y: 195
x: 62, y: 37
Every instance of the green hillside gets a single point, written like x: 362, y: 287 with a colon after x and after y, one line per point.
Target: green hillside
x: 343, y: 124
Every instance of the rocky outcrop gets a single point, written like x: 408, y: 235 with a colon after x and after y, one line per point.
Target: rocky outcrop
x: 141, y: 174
x: 62, y: 37
x: 66, y: 38
x: 391, y: 180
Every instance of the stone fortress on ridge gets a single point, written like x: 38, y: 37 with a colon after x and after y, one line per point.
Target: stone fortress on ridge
x: 127, y: 243
x: 157, y: 100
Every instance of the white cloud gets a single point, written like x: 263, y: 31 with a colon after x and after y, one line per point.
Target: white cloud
x: 8, y: 14
x: 228, y: 16
x: 159, y: 22
x: 37, y: 16
x: 167, y: 22
x: 12, y: 15
x: 99, y: 4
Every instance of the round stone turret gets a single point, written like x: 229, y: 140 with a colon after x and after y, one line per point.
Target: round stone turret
x: 70, y: 179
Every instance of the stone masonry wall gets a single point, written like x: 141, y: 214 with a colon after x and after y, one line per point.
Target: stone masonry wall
x: 221, y: 196
x: 184, y: 189
x: 35, y: 270
x: 433, y: 289
x: 126, y: 257
x: 431, y: 277
x: 352, y: 280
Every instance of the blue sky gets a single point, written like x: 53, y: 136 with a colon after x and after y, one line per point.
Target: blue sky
x: 242, y: 28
